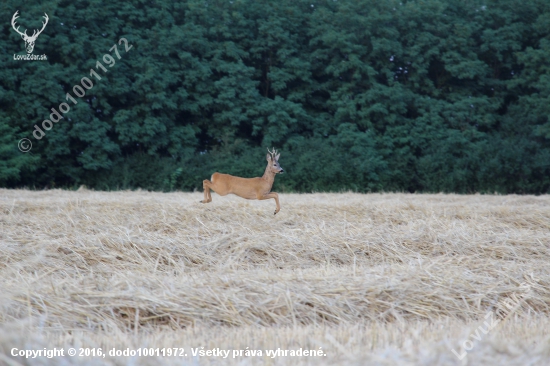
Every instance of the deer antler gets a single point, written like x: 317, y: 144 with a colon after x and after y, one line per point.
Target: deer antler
x: 273, y: 153
x: 43, y: 25
x: 24, y: 34
x: 13, y: 25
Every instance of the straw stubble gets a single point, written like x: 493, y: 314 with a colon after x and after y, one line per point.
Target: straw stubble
x: 370, y: 278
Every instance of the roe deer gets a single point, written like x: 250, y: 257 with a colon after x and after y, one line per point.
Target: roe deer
x: 249, y: 188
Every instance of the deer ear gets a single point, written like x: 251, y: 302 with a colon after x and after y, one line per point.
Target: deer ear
x: 268, y: 157
x: 277, y: 157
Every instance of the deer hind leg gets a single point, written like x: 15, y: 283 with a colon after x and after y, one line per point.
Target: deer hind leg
x: 207, y: 185
x: 273, y: 195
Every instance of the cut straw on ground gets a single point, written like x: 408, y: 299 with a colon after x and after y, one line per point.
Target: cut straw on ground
x: 376, y: 278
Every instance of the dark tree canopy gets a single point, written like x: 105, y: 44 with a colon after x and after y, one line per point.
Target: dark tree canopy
x: 418, y: 96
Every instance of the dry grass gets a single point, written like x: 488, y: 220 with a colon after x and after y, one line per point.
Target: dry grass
x: 381, y: 279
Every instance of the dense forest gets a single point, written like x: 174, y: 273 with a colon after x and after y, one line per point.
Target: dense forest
x: 362, y: 95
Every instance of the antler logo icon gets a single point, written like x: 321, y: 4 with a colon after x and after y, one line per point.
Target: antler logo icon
x: 29, y: 41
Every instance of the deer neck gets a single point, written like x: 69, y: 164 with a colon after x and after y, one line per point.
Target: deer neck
x: 268, y: 176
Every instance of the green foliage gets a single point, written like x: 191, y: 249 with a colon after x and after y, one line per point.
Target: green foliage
x: 433, y: 95
x: 12, y: 161
x: 171, y: 181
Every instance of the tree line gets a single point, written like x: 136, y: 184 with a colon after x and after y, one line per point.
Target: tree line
x: 363, y: 95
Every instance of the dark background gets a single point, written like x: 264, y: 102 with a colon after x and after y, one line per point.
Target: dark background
x: 417, y: 96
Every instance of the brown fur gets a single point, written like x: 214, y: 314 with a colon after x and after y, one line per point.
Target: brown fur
x: 250, y: 188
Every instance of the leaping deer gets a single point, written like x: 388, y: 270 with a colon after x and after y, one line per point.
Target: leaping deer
x: 249, y: 188
x: 29, y: 41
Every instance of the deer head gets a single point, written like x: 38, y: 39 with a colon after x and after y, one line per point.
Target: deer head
x: 29, y: 41
x: 273, y: 161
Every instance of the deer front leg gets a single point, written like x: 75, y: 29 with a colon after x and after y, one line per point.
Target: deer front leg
x: 206, y: 185
x: 273, y: 195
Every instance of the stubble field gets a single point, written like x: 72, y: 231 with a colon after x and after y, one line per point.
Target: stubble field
x: 381, y: 279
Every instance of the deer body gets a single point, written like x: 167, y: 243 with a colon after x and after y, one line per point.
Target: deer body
x: 250, y: 188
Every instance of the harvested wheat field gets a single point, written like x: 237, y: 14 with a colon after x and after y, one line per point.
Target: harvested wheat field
x: 378, y: 279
